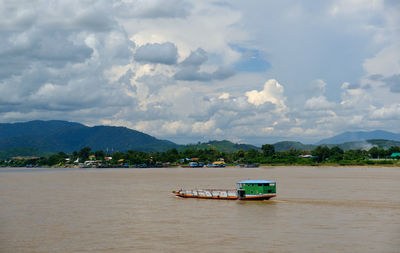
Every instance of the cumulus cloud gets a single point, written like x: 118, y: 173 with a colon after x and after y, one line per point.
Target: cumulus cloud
x: 165, y: 53
x: 224, y: 95
x: 272, y: 93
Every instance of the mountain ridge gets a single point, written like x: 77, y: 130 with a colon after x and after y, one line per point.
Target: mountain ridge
x: 57, y: 136
x: 360, y: 136
x: 43, y: 137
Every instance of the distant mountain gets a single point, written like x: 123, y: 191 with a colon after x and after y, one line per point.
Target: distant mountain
x: 56, y: 136
x: 40, y: 138
x: 363, y: 145
x: 222, y: 146
x: 366, y: 145
x: 360, y: 136
x: 287, y: 145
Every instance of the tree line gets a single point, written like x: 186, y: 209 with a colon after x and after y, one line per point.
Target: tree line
x: 267, y: 155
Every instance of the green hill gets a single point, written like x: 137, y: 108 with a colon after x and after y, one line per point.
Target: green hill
x: 8, y: 153
x: 222, y: 146
x: 57, y: 136
x: 287, y: 145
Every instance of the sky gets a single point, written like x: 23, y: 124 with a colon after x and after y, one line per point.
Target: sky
x: 257, y: 71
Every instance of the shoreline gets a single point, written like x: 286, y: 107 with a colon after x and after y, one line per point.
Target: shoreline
x: 228, y: 167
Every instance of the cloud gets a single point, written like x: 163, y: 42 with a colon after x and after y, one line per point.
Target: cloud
x: 200, y: 70
x: 196, y: 58
x: 386, y: 62
x: 393, y: 82
x: 224, y: 95
x: 318, y: 103
x: 386, y: 113
x: 54, y: 64
x: 272, y: 93
x: 318, y: 87
x: 165, y: 53
x: 192, y: 73
x: 153, y: 9
x: 190, y: 69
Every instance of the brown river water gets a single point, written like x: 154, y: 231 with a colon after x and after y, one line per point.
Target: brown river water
x: 133, y: 210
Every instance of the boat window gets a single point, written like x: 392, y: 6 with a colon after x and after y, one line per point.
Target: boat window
x: 266, y: 184
x: 260, y: 184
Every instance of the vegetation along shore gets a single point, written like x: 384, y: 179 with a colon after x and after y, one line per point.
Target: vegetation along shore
x: 266, y: 156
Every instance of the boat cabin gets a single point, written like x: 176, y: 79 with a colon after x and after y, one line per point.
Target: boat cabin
x: 256, y: 189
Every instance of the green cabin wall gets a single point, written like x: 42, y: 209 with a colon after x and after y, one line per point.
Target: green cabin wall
x: 257, y: 189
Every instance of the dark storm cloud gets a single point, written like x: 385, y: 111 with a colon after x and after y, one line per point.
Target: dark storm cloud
x: 55, y: 60
x: 165, y: 53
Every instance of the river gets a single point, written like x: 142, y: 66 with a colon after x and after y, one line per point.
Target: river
x: 317, y: 209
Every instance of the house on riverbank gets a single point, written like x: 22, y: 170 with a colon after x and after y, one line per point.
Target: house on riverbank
x: 395, y: 156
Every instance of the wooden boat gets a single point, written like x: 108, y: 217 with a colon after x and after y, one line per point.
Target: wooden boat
x: 246, y: 190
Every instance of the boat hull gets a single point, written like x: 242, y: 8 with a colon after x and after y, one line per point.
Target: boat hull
x: 219, y: 194
x: 258, y: 197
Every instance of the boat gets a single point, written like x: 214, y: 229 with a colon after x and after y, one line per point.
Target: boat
x: 193, y: 165
x: 246, y: 190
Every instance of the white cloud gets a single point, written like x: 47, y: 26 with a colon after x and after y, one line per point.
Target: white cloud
x: 390, y: 112
x: 272, y: 93
x: 224, y: 95
x: 386, y: 62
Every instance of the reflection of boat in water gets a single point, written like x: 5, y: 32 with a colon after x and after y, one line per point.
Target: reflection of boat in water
x: 248, y: 165
x: 246, y: 190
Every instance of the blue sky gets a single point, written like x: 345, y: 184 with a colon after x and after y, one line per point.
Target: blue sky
x: 187, y: 71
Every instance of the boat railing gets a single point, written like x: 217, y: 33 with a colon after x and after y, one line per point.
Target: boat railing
x: 215, y: 193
